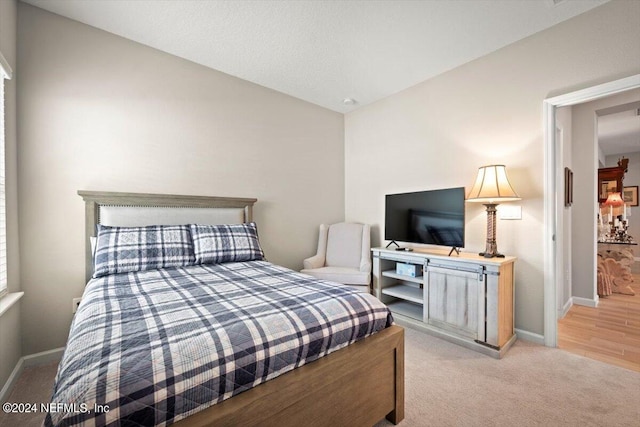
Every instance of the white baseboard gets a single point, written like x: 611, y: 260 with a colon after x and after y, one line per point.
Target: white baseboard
x: 585, y: 301
x: 43, y: 357
x: 8, y: 386
x: 26, y: 361
x: 529, y: 336
x: 565, y: 308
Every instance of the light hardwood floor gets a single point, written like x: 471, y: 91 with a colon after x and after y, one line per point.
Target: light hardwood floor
x: 609, y: 333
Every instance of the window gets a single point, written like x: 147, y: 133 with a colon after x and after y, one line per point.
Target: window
x: 5, y: 73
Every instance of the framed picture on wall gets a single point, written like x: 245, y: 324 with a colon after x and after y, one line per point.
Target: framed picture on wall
x: 630, y: 195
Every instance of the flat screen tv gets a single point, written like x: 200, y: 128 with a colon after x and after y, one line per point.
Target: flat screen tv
x: 433, y: 217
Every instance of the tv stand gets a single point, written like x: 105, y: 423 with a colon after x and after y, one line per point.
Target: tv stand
x: 466, y: 299
x: 454, y: 249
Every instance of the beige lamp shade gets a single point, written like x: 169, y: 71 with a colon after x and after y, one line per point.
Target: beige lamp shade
x: 492, y: 186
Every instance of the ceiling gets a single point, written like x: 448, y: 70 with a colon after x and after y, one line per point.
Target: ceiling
x: 324, y: 51
x: 619, y: 133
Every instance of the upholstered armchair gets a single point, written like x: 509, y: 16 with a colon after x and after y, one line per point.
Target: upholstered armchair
x: 344, y: 255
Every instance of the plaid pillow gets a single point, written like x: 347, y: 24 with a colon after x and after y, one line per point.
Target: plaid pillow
x: 125, y: 249
x: 215, y: 244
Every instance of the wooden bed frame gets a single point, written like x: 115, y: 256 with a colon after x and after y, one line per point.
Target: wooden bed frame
x: 356, y: 386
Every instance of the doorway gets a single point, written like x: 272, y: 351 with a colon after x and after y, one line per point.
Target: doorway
x: 554, y: 254
x: 606, y: 330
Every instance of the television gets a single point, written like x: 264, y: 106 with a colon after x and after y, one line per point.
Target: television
x: 433, y: 217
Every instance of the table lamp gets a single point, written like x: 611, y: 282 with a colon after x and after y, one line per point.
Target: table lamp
x: 614, y: 200
x: 491, y: 188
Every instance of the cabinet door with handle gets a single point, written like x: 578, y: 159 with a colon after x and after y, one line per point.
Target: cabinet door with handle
x: 455, y: 300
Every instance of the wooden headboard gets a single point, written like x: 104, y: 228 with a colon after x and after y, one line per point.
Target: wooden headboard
x: 139, y: 209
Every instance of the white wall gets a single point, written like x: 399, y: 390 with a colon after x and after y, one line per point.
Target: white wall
x: 99, y: 112
x: 437, y: 133
x: 10, y: 327
x: 601, y: 158
x: 584, y: 211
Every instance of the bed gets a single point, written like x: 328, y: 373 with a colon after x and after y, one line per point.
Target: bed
x: 351, y: 383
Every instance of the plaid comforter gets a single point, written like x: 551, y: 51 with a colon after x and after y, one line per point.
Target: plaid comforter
x: 157, y: 346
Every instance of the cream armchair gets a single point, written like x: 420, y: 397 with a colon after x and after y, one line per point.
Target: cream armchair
x: 344, y: 255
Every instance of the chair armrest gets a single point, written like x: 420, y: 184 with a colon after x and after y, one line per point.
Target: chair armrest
x: 365, y: 266
x: 365, y: 260
x: 316, y: 261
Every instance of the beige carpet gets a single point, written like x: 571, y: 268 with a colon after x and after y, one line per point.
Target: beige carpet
x: 447, y: 385
x: 34, y: 386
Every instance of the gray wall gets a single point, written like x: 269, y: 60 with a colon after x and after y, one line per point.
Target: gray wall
x: 488, y: 111
x: 99, y: 112
x: 585, y: 169
x: 10, y: 328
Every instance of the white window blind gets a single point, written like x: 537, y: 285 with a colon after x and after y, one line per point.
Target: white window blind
x: 5, y: 73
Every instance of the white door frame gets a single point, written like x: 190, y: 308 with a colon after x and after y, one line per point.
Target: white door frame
x: 552, y: 210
